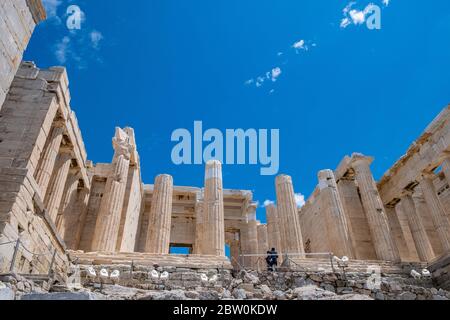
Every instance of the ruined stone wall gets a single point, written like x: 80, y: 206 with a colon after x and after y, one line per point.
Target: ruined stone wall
x: 37, y: 100
x: 18, y: 19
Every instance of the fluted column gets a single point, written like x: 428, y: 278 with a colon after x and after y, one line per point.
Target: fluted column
x: 338, y: 229
x: 250, y: 242
x: 273, y: 231
x: 419, y: 234
x: 288, y: 215
x: 160, y: 221
x: 437, y: 211
x: 214, y: 229
x: 375, y: 211
x: 56, y: 189
x: 66, y: 217
x: 109, y: 215
x: 263, y: 245
x: 199, y: 224
x: 234, y: 254
x: 48, y: 158
x: 397, y: 232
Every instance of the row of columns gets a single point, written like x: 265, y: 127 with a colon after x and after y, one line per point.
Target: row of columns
x: 413, y: 202
x: 209, y: 213
x: 58, y: 178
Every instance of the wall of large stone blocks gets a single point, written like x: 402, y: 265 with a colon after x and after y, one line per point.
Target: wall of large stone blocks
x: 357, y: 221
x: 25, y: 122
x: 314, y: 228
x: 17, y: 22
x: 183, y: 231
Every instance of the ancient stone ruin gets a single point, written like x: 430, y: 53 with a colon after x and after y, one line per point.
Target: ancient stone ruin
x: 64, y: 218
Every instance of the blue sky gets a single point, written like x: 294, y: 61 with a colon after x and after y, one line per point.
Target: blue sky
x: 159, y: 65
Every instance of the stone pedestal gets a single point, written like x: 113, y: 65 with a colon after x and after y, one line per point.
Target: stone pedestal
x: 378, y: 223
x: 58, y: 182
x: 108, y: 219
x: 419, y: 234
x: 48, y: 159
x: 159, y: 225
x: 288, y: 216
x: 331, y: 204
x: 213, y: 211
x: 437, y: 211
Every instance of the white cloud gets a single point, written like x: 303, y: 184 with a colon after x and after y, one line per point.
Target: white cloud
x: 276, y: 72
x: 358, y: 17
x: 299, y: 45
x: 62, y: 50
x: 268, y: 203
x: 96, y: 37
x: 51, y: 6
x: 299, y: 200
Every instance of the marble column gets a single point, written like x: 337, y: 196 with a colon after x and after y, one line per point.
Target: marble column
x: 67, y: 216
x: 199, y: 224
x: 288, y: 215
x: 263, y: 245
x: 273, y: 230
x: 397, y: 232
x: 338, y: 228
x: 213, y: 211
x: 160, y: 221
x: 109, y: 215
x: 419, y: 234
x: 250, y: 243
x: 376, y: 215
x: 48, y: 158
x: 55, y: 191
x: 437, y: 211
x: 234, y: 254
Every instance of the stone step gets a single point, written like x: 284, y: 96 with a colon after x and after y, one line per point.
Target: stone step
x: 187, y: 261
x: 356, y: 265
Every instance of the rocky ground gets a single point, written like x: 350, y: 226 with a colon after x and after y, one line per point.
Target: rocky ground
x: 187, y: 284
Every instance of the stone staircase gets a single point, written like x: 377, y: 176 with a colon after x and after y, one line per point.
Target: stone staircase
x: 360, y: 266
x: 146, y: 259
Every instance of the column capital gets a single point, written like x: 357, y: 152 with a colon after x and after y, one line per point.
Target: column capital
x: 359, y: 158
